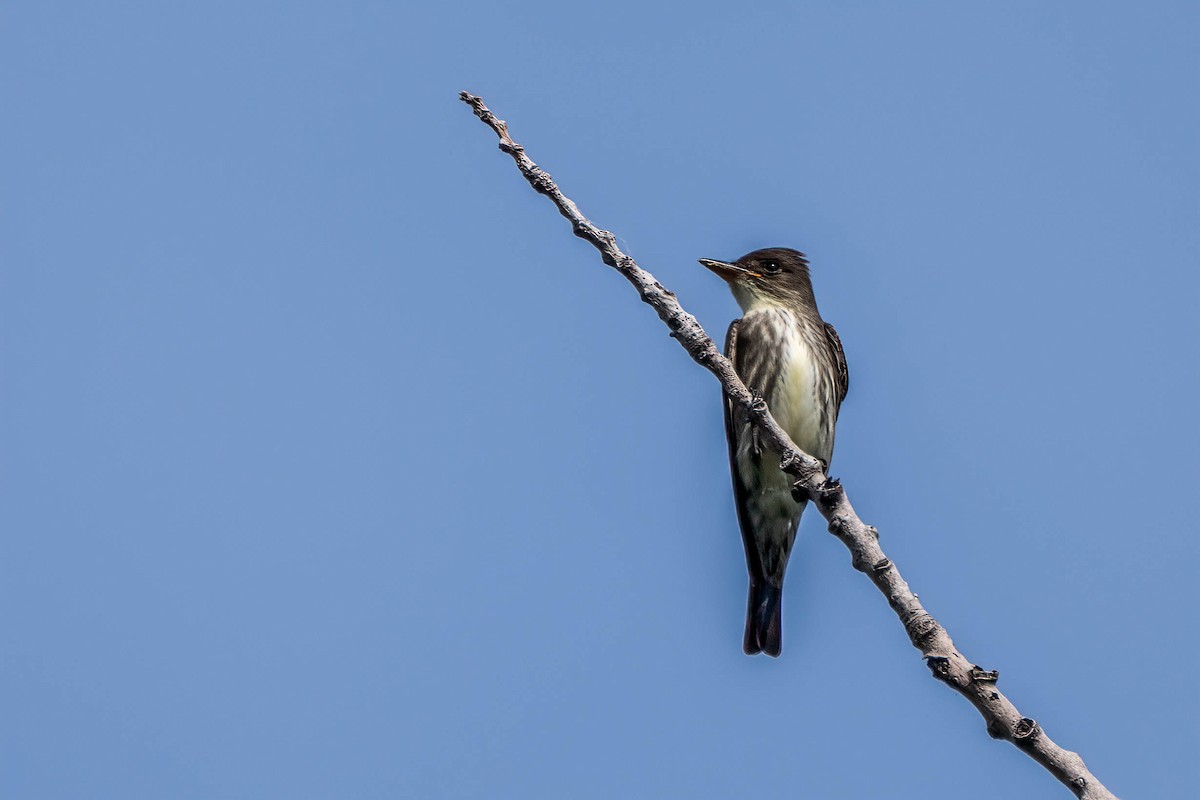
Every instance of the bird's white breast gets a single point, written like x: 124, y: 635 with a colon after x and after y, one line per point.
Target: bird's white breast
x: 794, y: 403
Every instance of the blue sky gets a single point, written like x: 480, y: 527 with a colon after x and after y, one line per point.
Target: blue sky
x: 334, y: 466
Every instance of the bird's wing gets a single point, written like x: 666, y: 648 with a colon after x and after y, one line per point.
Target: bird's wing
x: 842, y: 381
x: 735, y: 422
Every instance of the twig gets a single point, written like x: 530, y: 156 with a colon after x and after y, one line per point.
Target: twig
x: 944, y: 660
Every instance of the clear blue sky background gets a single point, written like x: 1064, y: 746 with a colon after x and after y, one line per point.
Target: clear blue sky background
x: 333, y: 466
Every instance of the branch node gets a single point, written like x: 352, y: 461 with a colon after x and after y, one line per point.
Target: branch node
x: 540, y: 180
x: 1026, y: 732
x: 939, y: 666
x: 882, y: 565
x: 981, y: 675
x: 921, y: 629
x: 830, y: 491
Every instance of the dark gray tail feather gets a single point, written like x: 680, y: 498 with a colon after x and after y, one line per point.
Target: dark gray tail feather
x: 764, y: 623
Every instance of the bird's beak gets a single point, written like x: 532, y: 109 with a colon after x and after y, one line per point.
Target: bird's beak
x: 729, y: 272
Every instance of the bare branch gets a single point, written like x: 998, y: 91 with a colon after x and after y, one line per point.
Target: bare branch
x: 945, y: 662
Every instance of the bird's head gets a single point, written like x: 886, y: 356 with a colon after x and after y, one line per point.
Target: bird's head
x: 775, y: 276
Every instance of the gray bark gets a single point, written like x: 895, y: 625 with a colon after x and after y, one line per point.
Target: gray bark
x: 945, y: 662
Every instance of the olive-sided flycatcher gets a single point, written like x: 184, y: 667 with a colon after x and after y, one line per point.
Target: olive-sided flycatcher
x: 787, y: 355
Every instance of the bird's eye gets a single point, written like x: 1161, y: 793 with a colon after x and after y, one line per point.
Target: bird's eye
x: 771, y: 267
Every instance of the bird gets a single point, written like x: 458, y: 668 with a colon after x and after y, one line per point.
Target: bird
x: 793, y: 360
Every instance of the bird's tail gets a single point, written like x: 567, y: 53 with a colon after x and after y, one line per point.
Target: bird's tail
x: 764, y: 622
